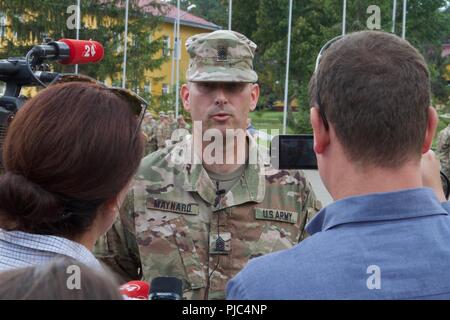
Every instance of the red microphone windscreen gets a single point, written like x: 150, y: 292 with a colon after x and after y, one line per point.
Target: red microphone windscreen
x: 135, y: 290
x: 83, y: 51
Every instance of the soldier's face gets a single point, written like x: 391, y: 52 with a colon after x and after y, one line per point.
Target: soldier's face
x: 220, y: 105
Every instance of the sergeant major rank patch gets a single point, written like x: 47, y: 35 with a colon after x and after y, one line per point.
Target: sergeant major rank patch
x: 222, y: 53
x: 172, y: 206
x: 276, y: 215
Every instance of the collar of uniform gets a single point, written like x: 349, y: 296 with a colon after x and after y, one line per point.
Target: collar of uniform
x: 388, y: 206
x: 251, y: 186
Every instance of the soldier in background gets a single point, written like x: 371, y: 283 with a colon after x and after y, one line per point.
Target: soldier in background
x: 149, y: 129
x: 172, y: 121
x: 162, y: 114
x: 181, y: 131
x: 163, y: 132
x: 443, y: 150
x: 201, y: 222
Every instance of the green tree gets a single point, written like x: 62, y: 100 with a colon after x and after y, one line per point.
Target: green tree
x: 315, y: 22
x: 215, y: 11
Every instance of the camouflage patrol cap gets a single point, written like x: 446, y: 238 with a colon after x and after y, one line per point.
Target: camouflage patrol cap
x: 221, y: 56
x: 162, y: 114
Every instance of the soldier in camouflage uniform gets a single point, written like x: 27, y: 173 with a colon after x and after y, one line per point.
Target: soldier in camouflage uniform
x: 163, y: 131
x: 181, y: 131
x: 443, y: 150
x: 149, y: 128
x: 172, y: 121
x: 177, y: 220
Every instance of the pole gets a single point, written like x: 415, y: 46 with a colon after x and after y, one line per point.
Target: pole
x: 394, y: 14
x: 125, y: 39
x: 172, y: 77
x: 177, y: 93
x: 230, y: 13
x: 78, y: 27
x: 404, y: 20
x: 286, y: 83
x: 344, y: 17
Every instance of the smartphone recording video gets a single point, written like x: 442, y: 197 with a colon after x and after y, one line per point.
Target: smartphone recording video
x: 293, y: 152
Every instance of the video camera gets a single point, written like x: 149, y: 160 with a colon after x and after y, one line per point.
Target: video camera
x: 32, y: 71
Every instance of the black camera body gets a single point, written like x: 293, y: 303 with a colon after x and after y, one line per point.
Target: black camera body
x: 16, y: 73
x: 293, y: 152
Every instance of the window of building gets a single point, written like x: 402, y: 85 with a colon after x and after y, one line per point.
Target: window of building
x: 177, y: 48
x: 165, y: 88
x: 2, y: 19
x: 148, y: 87
x: 2, y: 25
x: 166, y: 46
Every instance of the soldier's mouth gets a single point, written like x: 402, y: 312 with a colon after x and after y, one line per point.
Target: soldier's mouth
x: 220, y: 117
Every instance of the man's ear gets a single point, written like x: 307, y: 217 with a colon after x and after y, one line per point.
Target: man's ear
x: 432, y: 124
x: 254, y: 96
x: 185, y: 97
x: 321, y: 134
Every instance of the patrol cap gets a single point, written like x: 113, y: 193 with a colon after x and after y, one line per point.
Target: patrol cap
x: 221, y: 56
x: 162, y: 114
x: 170, y: 112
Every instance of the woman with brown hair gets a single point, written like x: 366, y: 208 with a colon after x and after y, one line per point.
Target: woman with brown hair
x: 69, y: 155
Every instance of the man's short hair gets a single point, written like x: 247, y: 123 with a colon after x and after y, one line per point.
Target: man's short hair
x: 374, y: 88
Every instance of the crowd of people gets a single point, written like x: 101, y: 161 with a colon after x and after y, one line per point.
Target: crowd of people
x: 165, y: 132
x: 87, y: 187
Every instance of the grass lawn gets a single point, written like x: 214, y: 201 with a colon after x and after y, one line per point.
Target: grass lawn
x: 268, y: 120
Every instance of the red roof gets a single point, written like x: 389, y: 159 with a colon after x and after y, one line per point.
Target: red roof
x: 170, y: 12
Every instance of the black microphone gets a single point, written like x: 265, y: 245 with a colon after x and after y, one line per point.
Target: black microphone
x: 54, y: 50
x: 219, y: 194
x: 166, y: 288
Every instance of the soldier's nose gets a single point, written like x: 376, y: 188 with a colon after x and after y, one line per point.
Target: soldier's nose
x: 221, y: 99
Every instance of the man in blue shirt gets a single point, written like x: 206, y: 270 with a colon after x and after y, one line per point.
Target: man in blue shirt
x: 385, y: 236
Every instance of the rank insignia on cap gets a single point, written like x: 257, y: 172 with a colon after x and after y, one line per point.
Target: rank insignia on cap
x: 222, y: 53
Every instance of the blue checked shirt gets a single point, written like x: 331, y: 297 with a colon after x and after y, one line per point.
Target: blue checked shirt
x: 19, y: 249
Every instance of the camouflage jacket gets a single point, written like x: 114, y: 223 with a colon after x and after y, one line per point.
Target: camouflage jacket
x: 163, y: 133
x: 174, y: 224
x: 173, y: 124
x: 443, y: 150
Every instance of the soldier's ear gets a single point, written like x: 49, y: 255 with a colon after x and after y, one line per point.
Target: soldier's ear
x: 185, y: 97
x: 254, y: 96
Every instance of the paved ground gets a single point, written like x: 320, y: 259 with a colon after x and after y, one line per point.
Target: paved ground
x: 319, y: 189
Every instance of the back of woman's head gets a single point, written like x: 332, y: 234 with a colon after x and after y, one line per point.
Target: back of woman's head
x: 60, y: 279
x: 67, y: 151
